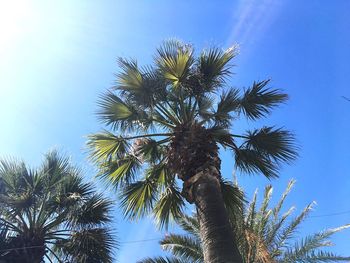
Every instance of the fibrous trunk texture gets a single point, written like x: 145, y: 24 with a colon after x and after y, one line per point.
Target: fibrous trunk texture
x: 215, y: 229
x: 193, y: 156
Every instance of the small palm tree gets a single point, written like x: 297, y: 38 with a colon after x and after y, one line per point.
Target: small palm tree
x: 264, y: 235
x: 51, y: 213
x: 170, y: 124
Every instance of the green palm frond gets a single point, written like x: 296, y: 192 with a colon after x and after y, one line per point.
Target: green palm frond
x: 315, y: 257
x: 251, y: 211
x: 105, y: 145
x: 121, y: 114
x: 222, y: 136
x: 214, y: 66
x: 228, y: 104
x: 288, y: 232
x: 74, y: 185
x: 276, y: 143
x: 264, y: 214
x: 205, y: 107
x: 168, y: 207
x: 267, y: 198
x: 160, y: 173
x: 277, y: 208
x: 233, y: 199
x: 94, y: 211
x: 130, y: 79
x: 142, y: 86
x: 149, y: 150
x: 252, y: 161
x: 257, y: 101
x: 53, y: 167
x: 174, y: 61
x: 274, y: 229
x: 138, y: 198
x: 120, y: 172
x: 189, y: 224
x: 89, y: 245
x: 162, y: 260
x: 50, y: 206
x: 183, y: 247
x: 305, y: 249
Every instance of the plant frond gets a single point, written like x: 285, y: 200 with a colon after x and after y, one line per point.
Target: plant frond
x: 266, y: 200
x: 88, y: 245
x: 251, y: 211
x: 121, y: 172
x: 51, y: 203
x: 106, y: 146
x: 184, y: 247
x: 221, y: 135
x: 233, y: 199
x: 205, y: 107
x: 274, y: 229
x: 138, y: 198
x: 55, y: 168
x: 149, y: 150
x: 277, y: 208
x: 160, y: 173
x: 307, y: 249
x: 317, y: 256
x: 144, y: 87
x: 214, y: 66
x: 162, y: 260
x: 74, y: 184
x: 190, y: 224
x: 276, y: 143
x: 257, y: 101
x: 130, y: 79
x: 229, y: 103
x: 95, y: 210
x: 252, y: 161
x: 168, y: 207
x: 288, y: 232
x: 174, y: 61
x: 121, y: 114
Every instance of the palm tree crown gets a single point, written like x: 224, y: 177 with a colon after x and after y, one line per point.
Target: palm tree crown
x: 51, y: 213
x: 170, y: 124
x: 265, y: 235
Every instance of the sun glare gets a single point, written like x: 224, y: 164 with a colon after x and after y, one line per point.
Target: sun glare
x: 15, y: 18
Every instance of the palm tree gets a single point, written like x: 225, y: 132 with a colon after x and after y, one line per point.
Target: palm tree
x: 51, y: 213
x: 264, y: 235
x: 167, y: 122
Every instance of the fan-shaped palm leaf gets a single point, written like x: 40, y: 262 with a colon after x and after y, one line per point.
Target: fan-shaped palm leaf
x: 50, y: 211
x: 169, y: 115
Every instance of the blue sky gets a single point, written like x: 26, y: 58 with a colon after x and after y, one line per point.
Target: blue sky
x: 57, y: 57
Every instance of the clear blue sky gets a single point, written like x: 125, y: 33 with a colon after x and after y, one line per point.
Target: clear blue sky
x: 57, y: 57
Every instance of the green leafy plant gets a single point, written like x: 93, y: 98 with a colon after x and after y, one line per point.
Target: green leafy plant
x: 50, y: 213
x: 265, y: 234
x: 167, y: 122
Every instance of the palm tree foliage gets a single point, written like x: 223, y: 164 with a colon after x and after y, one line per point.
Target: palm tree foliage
x: 265, y: 234
x: 167, y: 121
x: 51, y: 213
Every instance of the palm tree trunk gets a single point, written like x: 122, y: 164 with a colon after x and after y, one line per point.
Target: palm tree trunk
x: 218, y: 241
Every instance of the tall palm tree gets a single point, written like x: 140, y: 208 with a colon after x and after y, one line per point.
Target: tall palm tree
x: 51, y: 213
x: 264, y: 235
x: 167, y: 122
